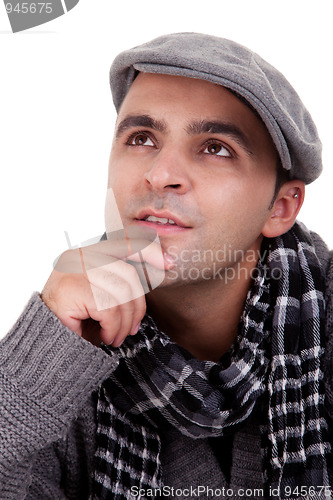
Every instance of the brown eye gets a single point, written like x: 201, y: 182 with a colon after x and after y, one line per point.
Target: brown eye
x: 141, y: 140
x: 214, y: 149
x: 217, y: 150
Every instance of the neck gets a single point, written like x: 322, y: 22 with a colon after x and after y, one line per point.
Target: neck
x: 201, y: 317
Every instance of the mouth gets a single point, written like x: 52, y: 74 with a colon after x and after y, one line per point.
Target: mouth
x: 163, y: 223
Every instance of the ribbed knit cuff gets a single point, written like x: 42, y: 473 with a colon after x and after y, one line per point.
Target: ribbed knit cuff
x: 49, y: 363
x: 47, y: 374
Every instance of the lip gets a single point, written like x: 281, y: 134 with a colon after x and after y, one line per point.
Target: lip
x: 163, y: 215
x: 161, y: 229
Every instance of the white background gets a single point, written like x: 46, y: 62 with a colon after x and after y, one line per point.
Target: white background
x: 56, y: 114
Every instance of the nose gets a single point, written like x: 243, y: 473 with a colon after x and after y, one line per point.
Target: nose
x: 168, y: 173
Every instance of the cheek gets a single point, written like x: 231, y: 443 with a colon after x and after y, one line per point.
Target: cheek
x: 253, y: 193
x: 115, y: 186
x: 220, y: 200
x: 237, y: 209
x: 122, y: 180
x: 116, y: 172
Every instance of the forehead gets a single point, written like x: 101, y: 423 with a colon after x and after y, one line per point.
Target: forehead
x: 176, y: 101
x: 150, y: 88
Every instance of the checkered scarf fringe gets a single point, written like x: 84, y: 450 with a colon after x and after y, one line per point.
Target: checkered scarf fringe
x: 276, y: 356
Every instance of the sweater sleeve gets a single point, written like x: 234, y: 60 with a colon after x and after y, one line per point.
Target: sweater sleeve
x: 47, y: 374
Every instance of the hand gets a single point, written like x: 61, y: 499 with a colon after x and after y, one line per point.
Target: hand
x: 98, y: 291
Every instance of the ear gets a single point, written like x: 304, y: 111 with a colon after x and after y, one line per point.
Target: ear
x: 285, y: 209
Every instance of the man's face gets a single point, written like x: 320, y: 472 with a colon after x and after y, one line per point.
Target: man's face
x: 192, y: 155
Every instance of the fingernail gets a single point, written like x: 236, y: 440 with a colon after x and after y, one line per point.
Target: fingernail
x: 116, y: 343
x: 136, y: 329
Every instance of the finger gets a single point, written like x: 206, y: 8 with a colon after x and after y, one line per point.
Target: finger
x: 125, y: 242
x: 151, y: 251
x: 140, y: 308
x: 110, y: 323
x: 134, y: 245
x: 105, y: 252
x: 132, y: 314
x: 131, y: 244
x: 126, y: 312
x: 116, y: 284
x: 120, y: 321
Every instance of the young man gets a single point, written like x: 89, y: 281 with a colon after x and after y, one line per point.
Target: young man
x: 217, y: 389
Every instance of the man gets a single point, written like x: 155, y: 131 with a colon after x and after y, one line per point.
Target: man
x: 218, y: 389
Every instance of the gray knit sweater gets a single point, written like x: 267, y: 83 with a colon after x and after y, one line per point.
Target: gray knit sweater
x: 49, y: 376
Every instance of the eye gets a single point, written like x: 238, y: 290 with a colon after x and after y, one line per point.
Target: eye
x: 140, y: 139
x: 217, y: 149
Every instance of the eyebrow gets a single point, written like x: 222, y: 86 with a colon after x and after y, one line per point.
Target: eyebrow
x: 197, y: 127
x: 145, y: 121
x: 221, y: 127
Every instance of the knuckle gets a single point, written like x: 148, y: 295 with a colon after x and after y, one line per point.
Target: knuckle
x: 68, y: 262
x: 69, y: 281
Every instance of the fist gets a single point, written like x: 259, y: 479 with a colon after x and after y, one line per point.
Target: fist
x: 98, y: 291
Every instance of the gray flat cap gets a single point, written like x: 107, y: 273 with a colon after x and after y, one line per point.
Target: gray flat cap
x: 237, y: 68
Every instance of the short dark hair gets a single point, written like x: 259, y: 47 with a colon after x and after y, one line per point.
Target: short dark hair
x: 282, y: 176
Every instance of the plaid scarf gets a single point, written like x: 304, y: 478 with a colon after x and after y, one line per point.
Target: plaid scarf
x: 276, y: 357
